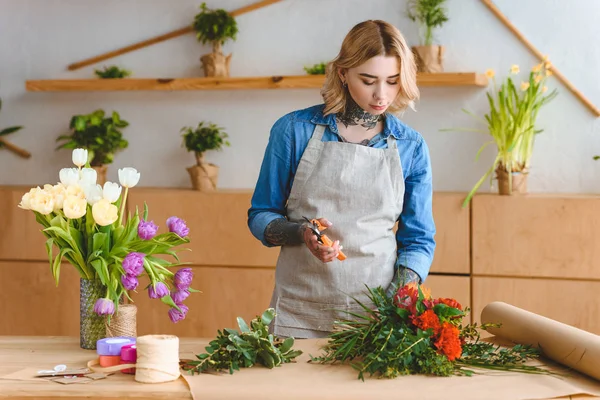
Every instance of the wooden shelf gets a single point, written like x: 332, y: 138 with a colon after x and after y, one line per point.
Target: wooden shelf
x: 243, y: 83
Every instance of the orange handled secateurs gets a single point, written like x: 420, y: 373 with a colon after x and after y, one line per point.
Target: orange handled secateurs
x: 317, y: 228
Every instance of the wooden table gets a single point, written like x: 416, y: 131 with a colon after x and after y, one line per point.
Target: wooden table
x: 298, y: 381
x: 19, y: 352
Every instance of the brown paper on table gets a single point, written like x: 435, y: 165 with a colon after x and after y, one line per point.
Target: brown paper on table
x: 560, y: 342
x: 302, y: 380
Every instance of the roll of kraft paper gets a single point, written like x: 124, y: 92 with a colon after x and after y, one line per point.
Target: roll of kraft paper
x: 560, y: 342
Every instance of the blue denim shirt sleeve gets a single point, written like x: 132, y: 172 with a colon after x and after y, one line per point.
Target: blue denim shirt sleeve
x: 274, y: 180
x: 416, y: 228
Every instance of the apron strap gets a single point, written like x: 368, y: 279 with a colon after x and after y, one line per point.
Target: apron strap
x: 391, y: 142
x: 318, y: 132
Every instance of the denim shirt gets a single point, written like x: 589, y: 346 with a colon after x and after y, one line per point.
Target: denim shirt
x: 287, y: 142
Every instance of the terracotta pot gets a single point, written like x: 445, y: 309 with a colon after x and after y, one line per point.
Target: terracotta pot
x: 204, y: 177
x: 429, y: 58
x: 519, y: 182
x: 216, y: 64
x: 101, y: 171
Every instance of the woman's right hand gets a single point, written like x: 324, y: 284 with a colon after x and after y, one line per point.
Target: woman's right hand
x: 322, y: 252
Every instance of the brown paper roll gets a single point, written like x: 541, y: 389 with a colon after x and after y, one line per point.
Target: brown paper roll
x: 562, y: 343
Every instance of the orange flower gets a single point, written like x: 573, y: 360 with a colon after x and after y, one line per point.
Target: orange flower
x: 428, y: 320
x: 448, y: 343
x: 449, y: 302
x: 425, y: 290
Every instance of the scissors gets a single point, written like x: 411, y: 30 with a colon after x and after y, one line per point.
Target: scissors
x: 316, y: 227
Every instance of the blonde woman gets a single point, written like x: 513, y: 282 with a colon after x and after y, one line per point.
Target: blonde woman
x: 354, y: 165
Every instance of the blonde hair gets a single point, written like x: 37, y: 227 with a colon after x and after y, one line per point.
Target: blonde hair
x: 366, y: 40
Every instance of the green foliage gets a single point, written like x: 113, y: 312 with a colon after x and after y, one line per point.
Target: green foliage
x: 112, y: 72
x: 317, y: 69
x: 205, y: 137
x: 384, y: 341
x: 9, y: 130
x: 232, y: 350
x: 429, y: 14
x: 98, y: 251
x: 100, y: 135
x: 215, y: 26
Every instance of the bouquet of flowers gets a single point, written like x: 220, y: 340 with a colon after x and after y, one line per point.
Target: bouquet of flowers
x: 86, y: 223
x: 412, y: 333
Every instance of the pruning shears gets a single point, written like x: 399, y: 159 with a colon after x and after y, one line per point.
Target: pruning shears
x: 316, y: 227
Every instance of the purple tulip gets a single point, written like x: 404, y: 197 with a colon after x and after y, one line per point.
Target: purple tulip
x: 183, y: 278
x: 178, y: 226
x: 147, y: 229
x: 133, y: 263
x: 130, y: 282
x: 104, y: 307
x: 180, y: 295
x: 158, y: 290
x: 175, y: 315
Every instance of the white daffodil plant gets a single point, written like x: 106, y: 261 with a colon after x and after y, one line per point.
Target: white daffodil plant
x: 86, y: 223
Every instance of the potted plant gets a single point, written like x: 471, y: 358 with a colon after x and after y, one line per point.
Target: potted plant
x: 3, y: 143
x: 429, y: 14
x: 511, y: 124
x: 101, y: 136
x: 112, y: 72
x: 205, y: 137
x: 216, y: 27
x: 316, y: 69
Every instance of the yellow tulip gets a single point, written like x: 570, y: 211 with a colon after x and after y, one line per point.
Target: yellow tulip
x: 490, y: 73
x: 538, y: 78
x: 524, y: 86
x: 537, y: 68
x: 544, y: 89
x: 74, y: 207
x: 75, y: 190
x: 514, y: 69
x: 548, y: 72
x: 104, y: 213
x: 42, y: 202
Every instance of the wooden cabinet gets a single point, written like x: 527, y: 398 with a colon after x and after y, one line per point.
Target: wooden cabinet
x: 568, y: 301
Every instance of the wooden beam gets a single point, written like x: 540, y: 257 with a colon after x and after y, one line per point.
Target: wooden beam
x: 15, y: 149
x: 161, y: 38
x: 540, y: 56
x: 241, y: 83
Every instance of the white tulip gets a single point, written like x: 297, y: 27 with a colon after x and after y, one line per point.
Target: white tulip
x: 89, y: 176
x: 80, y: 157
x: 69, y: 176
x: 93, y: 193
x: 25, y: 200
x: 129, y: 177
x: 111, y: 192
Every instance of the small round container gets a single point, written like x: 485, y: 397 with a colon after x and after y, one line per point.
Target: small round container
x: 112, y: 346
x: 109, y: 361
x: 128, y: 356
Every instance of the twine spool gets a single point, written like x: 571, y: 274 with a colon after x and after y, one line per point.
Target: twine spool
x: 157, y: 360
x: 124, y: 322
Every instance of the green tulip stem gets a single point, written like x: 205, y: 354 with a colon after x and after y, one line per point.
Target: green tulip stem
x: 123, y: 205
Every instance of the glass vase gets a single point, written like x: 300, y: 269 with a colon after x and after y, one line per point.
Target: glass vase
x: 91, y: 325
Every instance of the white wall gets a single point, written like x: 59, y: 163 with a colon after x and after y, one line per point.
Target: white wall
x: 39, y: 38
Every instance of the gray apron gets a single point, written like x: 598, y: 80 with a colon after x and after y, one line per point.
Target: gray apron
x: 360, y: 190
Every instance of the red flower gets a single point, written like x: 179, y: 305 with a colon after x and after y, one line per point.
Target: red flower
x: 449, y: 302
x: 406, y: 297
x: 448, y: 343
x: 428, y: 320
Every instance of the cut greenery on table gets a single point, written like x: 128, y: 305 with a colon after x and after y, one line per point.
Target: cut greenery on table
x: 232, y: 350
x: 412, y: 333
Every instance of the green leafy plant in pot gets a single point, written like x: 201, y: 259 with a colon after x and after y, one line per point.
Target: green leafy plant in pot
x: 207, y: 136
x: 511, y: 124
x: 215, y: 27
x: 430, y: 15
x: 100, y: 135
